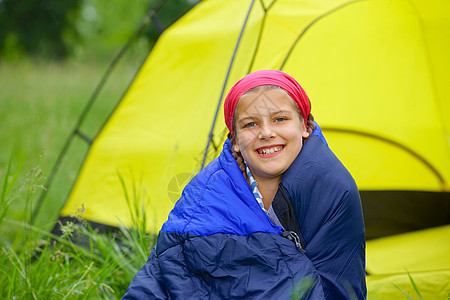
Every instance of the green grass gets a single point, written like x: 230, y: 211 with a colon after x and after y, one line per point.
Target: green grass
x: 40, y: 103
x: 39, y: 265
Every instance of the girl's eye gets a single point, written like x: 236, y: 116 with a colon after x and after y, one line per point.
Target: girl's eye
x: 281, y: 119
x: 251, y: 124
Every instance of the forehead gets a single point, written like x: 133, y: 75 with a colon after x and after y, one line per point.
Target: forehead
x: 264, y: 101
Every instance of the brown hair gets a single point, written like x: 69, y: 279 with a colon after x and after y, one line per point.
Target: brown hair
x: 238, y: 156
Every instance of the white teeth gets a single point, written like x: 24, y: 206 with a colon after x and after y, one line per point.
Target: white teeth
x: 268, y: 151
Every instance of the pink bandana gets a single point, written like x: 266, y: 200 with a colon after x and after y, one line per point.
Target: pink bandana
x: 265, y: 77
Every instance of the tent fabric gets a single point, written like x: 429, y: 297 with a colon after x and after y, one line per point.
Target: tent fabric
x: 219, y: 244
x: 424, y: 254
x: 431, y: 285
x: 385, y: 252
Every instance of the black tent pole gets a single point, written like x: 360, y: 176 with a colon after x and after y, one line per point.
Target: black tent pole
x: 311, y: 24
x: 210, y: 136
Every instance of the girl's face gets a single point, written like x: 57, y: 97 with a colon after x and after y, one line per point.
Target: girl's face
x: 268, y: 132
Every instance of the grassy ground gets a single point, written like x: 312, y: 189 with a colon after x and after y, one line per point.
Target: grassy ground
x: 40, y: 103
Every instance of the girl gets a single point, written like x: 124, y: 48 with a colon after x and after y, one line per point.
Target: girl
x: 274, y: 209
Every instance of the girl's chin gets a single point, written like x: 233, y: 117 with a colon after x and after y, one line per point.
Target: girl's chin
x: 270, y: 173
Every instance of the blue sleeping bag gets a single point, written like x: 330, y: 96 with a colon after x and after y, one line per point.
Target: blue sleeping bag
x: 218, y: 244
x: 329, y: 216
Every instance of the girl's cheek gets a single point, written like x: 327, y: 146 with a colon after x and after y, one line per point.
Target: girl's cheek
x: 244, y: 140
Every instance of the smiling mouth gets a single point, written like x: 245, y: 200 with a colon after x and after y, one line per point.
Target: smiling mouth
x: 269, y: 151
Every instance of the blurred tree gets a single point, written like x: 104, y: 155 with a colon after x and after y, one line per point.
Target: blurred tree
x: 83, y: 29
x: 103, y: 26
x: 34, y: 27
x: 106, y: 25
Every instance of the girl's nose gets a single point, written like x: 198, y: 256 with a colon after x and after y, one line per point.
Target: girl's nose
x: 266, y: 132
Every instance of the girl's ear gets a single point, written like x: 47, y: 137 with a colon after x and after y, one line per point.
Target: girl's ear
x: 305, y: 132
x: 236, y: 147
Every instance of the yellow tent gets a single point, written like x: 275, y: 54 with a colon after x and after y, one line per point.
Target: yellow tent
x: 376, y: 72
x: 424, y: 254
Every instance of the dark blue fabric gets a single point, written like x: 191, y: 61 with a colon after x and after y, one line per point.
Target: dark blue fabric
x: 329, y: 215
x: 222, y: 266
x: 219, y: 244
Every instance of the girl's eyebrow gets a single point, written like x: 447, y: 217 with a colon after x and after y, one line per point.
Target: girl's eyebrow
x: 282, y: 112
x: 253, y: 116
x: 244, y: 120
x: 247, y: 117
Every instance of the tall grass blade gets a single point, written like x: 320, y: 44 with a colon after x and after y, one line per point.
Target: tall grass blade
x: 127, y: 198
x: 7, y: 185
x: 13, y: 281
x: 414, y: 285
x: 401, y: 290
x: 72, y: 289
x: 302, y: 288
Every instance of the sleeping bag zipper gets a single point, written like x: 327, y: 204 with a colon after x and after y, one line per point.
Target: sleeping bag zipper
x: 293, y: 237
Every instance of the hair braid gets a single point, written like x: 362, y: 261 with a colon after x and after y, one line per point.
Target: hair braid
x: 237, y: 156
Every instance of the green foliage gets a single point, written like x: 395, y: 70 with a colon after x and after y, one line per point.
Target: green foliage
x: 103, y: 27
x: 34, y: 27
x: 40, y: 265
x: 81, y: 29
